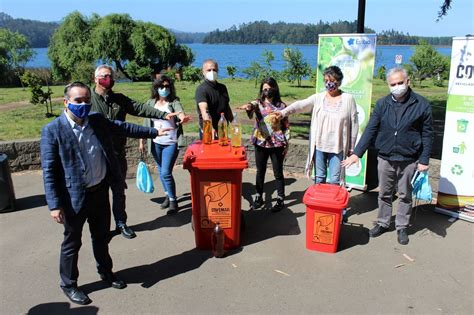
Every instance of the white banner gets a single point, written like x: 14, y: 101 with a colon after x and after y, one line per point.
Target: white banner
x: 456, y: 183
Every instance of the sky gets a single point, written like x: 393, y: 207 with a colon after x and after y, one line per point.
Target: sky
x: 416, y: 17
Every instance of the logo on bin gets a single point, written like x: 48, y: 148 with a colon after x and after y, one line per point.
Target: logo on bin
x: 216, y: 204
x: 323, y: 231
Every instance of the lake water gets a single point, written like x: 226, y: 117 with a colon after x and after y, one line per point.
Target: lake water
x: 241, y: 56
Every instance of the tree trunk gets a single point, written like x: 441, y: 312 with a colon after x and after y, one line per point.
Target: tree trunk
x: 119, y: 67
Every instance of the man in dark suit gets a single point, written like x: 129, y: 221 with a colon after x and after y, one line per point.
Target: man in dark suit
x: 79, y: 165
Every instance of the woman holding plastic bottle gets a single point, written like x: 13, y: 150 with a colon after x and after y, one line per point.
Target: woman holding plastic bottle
x: 334, y: 126
x: 270, y: 138
x: 165, y: 148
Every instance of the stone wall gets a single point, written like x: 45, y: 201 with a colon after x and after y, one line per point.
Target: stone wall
x: 24, y: 155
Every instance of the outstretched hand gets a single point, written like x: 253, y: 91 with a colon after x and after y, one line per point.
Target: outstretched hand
x: 246, y: 107
x: 163, y: 131
x: 170, y: 116
x: 350, y: 160
x: 277, y: 114
x: 184, y: 118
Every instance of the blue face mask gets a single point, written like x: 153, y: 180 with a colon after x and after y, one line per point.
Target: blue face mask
x: 331, y: 86
x: 79, y: 110
x: 163, y: 92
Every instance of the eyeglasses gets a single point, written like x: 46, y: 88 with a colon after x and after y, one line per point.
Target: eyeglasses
x: 103, y: 76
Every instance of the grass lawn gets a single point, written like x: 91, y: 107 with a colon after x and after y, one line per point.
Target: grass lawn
x: 26, y: 122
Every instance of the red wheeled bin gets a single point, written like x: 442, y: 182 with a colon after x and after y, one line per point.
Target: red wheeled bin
x: 216, y: 190
x: 324, y: 206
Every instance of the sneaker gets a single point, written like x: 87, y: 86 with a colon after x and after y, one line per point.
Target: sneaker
x: 402, y: 236
x: 166, y: 203
x: 377, y: 230
x: 278, y: 206
x: 173, y: 207
x: 125, y: 231
x: 257, y: 203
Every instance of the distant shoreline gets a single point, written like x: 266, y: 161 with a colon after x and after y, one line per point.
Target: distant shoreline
x: 395, y: 45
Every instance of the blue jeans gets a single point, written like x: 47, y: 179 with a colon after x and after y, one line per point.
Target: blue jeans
x: 165, y: 156
x: 323, y: 161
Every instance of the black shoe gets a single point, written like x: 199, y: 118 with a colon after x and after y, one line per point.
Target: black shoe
x: 76, y: 296
x: 402, y: 236
x: 112, y: 280
x: 173, y: 208
x: 126, y: 231
x: 278, y: 206
x: 257, y: 203
x: 166, y: 203
x: 377, y: 230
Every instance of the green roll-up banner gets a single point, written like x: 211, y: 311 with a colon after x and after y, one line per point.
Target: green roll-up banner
x: 355, y: 55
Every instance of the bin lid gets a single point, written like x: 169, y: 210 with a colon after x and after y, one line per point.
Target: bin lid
x: 326, y: 195
x: 214, y: 156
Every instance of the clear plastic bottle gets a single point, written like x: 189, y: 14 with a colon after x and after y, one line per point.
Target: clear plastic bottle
x: 236, y: 132
x: 207, y: 132
x: 218, y: 239
x: 222, y: 131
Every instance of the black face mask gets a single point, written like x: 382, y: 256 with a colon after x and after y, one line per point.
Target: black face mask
x: 270, y: 93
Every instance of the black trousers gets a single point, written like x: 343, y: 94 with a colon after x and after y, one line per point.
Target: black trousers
x: 261, y: 158
x: 96, y: 211
x: 118, y: 193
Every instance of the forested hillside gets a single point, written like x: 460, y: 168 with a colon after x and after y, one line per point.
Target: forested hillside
x: 261, y: 32
x: 38, y: 33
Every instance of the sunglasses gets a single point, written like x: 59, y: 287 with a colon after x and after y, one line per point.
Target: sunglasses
x: 162, y: 86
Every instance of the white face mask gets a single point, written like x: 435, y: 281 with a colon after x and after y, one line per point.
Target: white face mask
x: 211, y: 76
x: 399, y: 90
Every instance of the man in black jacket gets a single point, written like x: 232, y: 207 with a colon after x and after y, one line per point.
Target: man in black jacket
x: 116, y: 106
x: 401, y: 125
x: 212, y: 97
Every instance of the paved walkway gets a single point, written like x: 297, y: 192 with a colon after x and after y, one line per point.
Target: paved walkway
x: 271, y: 273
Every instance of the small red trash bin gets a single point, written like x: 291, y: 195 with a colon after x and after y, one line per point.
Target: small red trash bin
x: 324, y: 205
x: 216, y: 190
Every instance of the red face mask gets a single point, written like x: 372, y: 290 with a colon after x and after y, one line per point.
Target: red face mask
x: 106, y: 82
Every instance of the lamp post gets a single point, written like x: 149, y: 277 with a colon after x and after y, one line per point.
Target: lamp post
x: 361, y: 17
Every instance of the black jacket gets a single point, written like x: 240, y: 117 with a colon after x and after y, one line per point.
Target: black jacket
x: 409, y: 139
x: 116, y: 106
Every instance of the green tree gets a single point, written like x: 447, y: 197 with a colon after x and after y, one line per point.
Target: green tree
x: 296, y: 67
x: 429, y: 63
x: 15, y: 52
x: 71, y: 46
x: 381, y: 72
x: 191, y: 73
x: 254, y: 71
x: 137, y: 49
x: 231, y: 70
x: 38, y: 96
x: 110, y: 40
